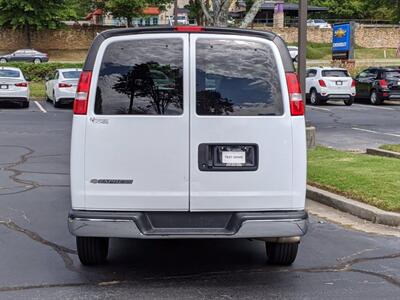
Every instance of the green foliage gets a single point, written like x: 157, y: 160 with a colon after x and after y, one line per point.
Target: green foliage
x: 195, y: 11
x: 359, y: 9
x: 38, y: 72
x: 35, y: 14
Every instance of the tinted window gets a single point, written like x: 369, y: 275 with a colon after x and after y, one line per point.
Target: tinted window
x: 311, y: 73
x: 9, y: 73
x: 142, y: 77
x: 71, y: 74
x: 236, y: 78
x: 392, y: 74
x: 335, y: 73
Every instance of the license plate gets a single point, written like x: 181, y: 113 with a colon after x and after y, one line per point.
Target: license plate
x: 339, y: 82
x: 233, y: 157
x: 4, y: 86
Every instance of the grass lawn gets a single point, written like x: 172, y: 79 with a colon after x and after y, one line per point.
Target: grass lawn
x: 37, y: 89
x: 391, y: 147
x: 371, y: 179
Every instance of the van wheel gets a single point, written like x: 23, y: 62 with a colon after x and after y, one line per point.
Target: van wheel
x: 25, y: 104
x: 314, y: 98
x: 281, y: 253
x: 349, y: 102
x: 92, y: 250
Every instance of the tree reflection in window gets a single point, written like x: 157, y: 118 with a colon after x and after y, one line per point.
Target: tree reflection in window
x: 152, y: 86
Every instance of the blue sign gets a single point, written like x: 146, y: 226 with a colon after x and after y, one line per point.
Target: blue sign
x: 341, y: 38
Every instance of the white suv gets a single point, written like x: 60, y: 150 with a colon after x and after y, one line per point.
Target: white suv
x: 188, y: 132
x: 323, y: 84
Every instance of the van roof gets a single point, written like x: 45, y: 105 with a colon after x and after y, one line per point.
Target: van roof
x: 101, y: 37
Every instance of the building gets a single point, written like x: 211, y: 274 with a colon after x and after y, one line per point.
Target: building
x: 99, y: 17
x: 167, y: 15
x: 276, y: 13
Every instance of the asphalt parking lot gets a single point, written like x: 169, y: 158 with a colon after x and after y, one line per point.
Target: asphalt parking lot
x: 39, y: 261
x: 357, y: 127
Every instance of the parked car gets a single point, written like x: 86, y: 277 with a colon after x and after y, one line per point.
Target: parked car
x: 146, y: 163
x: 28, y: 55
x: 13, y: 86
x: 61, y: 87
x: 378, y: 84
x: 294, y: 52
x: 324, y: 84
x: 318, y: 23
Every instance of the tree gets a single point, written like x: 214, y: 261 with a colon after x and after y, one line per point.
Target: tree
x: 219, y: 14
x: 195, y: 11
x: 34, y: 14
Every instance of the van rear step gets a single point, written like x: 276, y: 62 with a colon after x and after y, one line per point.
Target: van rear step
x: 187, y: 224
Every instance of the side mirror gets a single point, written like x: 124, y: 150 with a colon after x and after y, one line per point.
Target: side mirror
x: 47, y: 78
x: 27, y: 78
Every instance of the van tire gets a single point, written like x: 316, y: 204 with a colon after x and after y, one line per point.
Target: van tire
x: 281, y: 253
x: 92, y: 250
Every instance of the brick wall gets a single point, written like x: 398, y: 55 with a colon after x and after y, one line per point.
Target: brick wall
x: 81, y: 37
x: 60, y: 39
x: 368, y: 37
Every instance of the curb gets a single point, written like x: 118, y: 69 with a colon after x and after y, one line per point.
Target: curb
x: 381, y: 152
x: 356, y: 208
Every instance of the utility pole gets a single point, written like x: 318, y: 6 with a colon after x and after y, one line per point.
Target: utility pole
x: 175, y: 12
x: 301, y: 67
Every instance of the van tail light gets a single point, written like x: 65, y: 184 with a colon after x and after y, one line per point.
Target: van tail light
x: 353, y: 83
x: 322, y: 83
x: 82, y: 93
x: 64, y: 85
x: 295, y: 98
x: 21, y: 84
x: 383, y: 83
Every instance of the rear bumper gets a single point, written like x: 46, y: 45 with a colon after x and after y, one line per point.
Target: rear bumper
x: 13, y: 99
x: 65, y: 100
x: 337, y: 97
x: 168, y: 225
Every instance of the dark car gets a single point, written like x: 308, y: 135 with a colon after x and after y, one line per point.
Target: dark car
x: 378, y: 85
x: 28, y: 55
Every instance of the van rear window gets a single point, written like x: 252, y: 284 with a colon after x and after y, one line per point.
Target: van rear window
x: 236, y: 78
x: 9, y: 73
x: 335, y: 73
x: 141, y: 77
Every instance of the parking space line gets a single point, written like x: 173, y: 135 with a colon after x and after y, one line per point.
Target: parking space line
x: 376, y: 132
x: 372, y: 107
x: 40, y: 107
x: 318, y: 108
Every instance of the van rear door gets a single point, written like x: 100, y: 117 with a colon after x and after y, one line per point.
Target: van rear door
x: 137, y: 131
x: 241, y: 129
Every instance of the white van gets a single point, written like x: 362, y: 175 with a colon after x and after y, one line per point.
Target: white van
x: 188, y: 132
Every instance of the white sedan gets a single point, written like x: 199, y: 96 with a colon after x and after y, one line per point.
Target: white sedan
x: 318, y: 23
x: 294, y: 52
x: 61, y: 88
x: 13, y: 86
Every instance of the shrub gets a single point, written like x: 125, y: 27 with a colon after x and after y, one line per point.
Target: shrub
x: 38, y: 72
